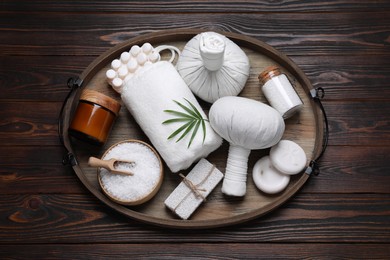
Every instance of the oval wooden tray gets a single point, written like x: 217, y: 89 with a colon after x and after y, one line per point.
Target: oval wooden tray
x: 305, y: 128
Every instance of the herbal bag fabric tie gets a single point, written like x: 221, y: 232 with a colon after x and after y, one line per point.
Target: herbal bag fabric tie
x: 149, y: 93
x: 213, y: 66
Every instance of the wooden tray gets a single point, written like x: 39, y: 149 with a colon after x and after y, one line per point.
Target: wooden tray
x: 305, y: 128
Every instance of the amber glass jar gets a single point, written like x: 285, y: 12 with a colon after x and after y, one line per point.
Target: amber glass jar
x: 94, y: 117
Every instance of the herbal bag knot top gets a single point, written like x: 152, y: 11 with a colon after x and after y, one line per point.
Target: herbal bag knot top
x: 213, y: 66
x: 168, y: 113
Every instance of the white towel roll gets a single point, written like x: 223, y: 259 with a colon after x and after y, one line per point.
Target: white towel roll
x: 147, y: 94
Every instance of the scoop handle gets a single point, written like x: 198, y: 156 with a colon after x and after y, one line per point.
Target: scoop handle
x: 96, y: 162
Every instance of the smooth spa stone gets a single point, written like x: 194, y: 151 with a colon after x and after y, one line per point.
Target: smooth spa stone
x: 288, y: 157
x: 267, y: 178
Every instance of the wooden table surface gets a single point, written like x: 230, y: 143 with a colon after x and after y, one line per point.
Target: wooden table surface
x: 343, y: 46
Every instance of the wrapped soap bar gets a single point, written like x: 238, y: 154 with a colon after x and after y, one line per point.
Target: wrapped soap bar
x: 194, y: 189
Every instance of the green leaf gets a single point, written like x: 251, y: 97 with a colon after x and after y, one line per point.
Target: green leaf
x: 179, y: 130
x: 197, y: 113
x: 194, y: 133
x: 194, y: 114
x: 181, y: 114
x: 204, y: 130
x: 191, y: 118
x: 179, y: 119
x: 186, y: 131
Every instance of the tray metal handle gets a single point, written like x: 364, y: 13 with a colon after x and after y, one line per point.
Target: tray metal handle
x: 63, y: 123
x: 317, y: 94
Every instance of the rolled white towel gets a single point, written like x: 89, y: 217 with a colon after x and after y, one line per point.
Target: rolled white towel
x: 147, y: 94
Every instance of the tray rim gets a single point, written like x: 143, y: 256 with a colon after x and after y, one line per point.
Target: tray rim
x: 186, y: 34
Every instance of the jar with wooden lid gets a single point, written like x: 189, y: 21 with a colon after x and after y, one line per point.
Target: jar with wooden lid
x: 94, y: 117
x: 279, y: 92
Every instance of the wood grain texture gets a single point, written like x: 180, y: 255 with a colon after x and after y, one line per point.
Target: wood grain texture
x: 93, y: 33
x: 39, y: 78
x: 307, y: 218
x: 30, y: 123
x: 33, y: 169
x: 198, y: 251
x: 43, y: 78
x: 199, y: 6
x: 36, y: 178
x: 341, y: 45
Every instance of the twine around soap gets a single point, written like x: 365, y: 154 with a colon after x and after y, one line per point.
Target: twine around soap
x: 195, y: 189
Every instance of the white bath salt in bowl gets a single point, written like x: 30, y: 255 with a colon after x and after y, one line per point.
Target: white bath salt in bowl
x: 147, y: 172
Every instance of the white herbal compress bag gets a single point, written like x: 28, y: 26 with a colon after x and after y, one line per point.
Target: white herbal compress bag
x: 213, y: 66
x: 149, y: 88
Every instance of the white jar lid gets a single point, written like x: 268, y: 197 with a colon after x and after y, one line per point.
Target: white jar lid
x: 267, y: 178
x: 288, y: 157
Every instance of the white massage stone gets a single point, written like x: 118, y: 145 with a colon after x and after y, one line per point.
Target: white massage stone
x: 117, y: 83
x: 125, y: 57
x: 115, y: 64
x: 132, y: 65
x: 147, y: 48
x: 142, y: 58
x: 154, y: 56
x: 267, y: 178
x: 288, y: 157
x: 122, y: 72
x: 124, y: 67
x: 135, y: 50
x: 110, y: 74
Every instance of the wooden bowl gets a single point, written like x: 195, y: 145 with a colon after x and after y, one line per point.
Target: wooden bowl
x: 139, y: 200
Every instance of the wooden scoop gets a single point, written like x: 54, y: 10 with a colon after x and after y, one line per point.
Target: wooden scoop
x: 109, y: 165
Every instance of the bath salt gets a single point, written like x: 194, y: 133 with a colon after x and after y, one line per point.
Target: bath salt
x: 279, y: 92
x: 146, y: 172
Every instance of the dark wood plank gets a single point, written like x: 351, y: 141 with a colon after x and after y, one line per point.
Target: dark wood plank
x: 35, y: 178
x: 198, y: 251
x: 310, y: 218
x: 199, y: 6
x: 347, y: 169
x: 351, y: 123
x: 93, y: 33
x: 342, y: 45
x: 38, y: 78
x: 29, y: 123
x: 31, y: 155
x: 357, y: 77
x: 363, y: 123
x: 344, y: 169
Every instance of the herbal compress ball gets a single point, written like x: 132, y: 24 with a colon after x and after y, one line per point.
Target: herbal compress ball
x: 213, y: 66
x: 247, y: 125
